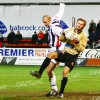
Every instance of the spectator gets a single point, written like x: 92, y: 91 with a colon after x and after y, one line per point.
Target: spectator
x: 11, y: 37
x: 34, y: 38
x: 18, y: 37
x: 98, y: 30
x: 46, y: 39
x: 40, y: 37
x: 92, y: 33
x: 1, y: 39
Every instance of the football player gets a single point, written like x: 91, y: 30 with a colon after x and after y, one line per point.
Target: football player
x: 75, y: 43
x: 55, y: 29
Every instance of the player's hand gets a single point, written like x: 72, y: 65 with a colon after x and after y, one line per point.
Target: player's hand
x: 76, y: 39
x: 67, y: 30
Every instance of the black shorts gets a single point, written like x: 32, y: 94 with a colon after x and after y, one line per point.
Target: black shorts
x: 68, y: 59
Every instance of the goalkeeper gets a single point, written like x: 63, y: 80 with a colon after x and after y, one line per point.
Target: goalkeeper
x: 76, y: 41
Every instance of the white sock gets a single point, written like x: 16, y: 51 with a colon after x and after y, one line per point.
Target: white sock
x: 53, y: 83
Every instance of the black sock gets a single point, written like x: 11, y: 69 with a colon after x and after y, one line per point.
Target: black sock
x: 63, y: 84
x: 44, y: 65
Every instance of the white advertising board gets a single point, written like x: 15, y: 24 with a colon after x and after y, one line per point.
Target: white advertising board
x: 90, y: 53
x: 24, y: 56
x: 35, y: 56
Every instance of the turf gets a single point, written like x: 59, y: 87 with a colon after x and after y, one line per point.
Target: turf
x: 17, y: 84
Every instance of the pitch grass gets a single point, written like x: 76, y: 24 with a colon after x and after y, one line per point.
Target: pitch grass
x: 17, y: 84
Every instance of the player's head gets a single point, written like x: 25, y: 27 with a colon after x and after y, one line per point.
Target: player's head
x: 46, y: 20
x: 80, y: 24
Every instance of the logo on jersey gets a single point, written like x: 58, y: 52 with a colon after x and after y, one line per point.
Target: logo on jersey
x: 3, y: 28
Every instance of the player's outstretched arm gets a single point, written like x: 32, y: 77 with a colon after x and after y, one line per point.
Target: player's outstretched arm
x: 61, y: 11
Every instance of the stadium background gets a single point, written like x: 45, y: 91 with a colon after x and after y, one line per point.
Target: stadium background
x: 28, y: 13
x: 15, y: 81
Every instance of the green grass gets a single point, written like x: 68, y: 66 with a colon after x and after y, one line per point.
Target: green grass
x: 17, y: 84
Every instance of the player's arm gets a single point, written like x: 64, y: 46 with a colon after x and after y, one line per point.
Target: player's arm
x: 81, y: 45
x: 60, y: 12
x: 67, y: 35
x: 56, y: 30
x: 62, y: 37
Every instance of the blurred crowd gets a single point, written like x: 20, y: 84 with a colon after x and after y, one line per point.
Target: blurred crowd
x: 94, y: 35
x: 14, y: 38
x: 37, y: 38
x: 42, y: 37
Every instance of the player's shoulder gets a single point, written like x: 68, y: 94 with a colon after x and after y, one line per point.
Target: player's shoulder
x: 54, y: 20
x: 84, y: 35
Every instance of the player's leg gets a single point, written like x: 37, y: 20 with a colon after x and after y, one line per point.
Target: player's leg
x: 68, y: 67
x: 52, y: 79
x: 64, y: 81
x: 45, y: 63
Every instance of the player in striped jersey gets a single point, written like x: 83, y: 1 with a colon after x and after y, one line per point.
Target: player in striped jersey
x: 55, y: 30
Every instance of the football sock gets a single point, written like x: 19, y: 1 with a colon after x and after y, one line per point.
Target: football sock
x: 63, y: 84
x: 53, y: 83
x: 44, y: 65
